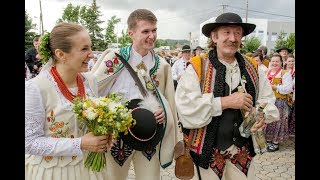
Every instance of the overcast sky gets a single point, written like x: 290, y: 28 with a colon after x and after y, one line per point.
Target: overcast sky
x: 176, y: 18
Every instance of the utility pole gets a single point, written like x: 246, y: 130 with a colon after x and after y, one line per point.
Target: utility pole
x: 41, y: 21
x: 223, y: 8
x: 247, y: 12
x: 190, y: 39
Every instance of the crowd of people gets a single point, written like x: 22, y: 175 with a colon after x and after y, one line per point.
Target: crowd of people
x: 197, y: 88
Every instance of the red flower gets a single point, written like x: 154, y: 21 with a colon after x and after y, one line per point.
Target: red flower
x: 115, y: 61
x: 110, y: 70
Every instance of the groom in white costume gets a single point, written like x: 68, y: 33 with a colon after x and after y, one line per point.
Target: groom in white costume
x: 155, y: 75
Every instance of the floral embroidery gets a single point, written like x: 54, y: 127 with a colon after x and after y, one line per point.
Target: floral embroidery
x: 155, y: 80
x: 48, y: 158
x: 218, y: 162
x: 242, y: 159
x: 58, y: 129
x: 111, y: 64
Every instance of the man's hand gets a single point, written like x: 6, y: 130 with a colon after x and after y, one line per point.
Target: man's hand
x: 159, y: 115
x: 237, y: 100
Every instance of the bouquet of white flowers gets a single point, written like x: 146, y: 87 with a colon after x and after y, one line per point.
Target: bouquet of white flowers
x: 102, y: 116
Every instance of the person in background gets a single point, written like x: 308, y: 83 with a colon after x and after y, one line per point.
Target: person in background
x: 281, y: 83
x: 156, y: 77
x: 181, y: 64
x: 55, y: 141
x: 198, y: 50
x: 284, y: 53
x: 92, y: 62
x: 265, y: 58
x: 258, y: 57
x: 31, y: 55
x: 290, y: 66
x: 208, y: 102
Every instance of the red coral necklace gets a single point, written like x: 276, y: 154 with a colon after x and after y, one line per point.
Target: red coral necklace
x: 64, y: 89
x: 270, y: 77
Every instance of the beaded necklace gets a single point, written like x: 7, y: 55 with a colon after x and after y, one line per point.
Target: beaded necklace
x: 64, y: 89
x: 270, y: 77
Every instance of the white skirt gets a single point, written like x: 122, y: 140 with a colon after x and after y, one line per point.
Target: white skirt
x: 69, y: 172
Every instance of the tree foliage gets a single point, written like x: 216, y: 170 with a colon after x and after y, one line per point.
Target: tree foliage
x: 110, y: 36
x: 290, y: 41
x: 70, y: 14
x: 89, y: 17
x: 250, y: 44
x: 29, y: 35
x: 125, y: 39
x: 280, y: 42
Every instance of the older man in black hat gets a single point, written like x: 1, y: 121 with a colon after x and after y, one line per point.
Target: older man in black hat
x: 180, y: 65
x: 198, y: 50
x: 208, y: 102
x: 284, y: 53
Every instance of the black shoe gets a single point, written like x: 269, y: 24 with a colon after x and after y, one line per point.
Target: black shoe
x: 273, y: 147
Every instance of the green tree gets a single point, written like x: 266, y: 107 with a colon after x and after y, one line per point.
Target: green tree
x: 290, y: 41
x: 125, y: 39
x: 89, y: 17
x: 110, y: 36
x: 250, y: 44
x: 70, y: 14
x: 29, y: 35
x: 280, y: 42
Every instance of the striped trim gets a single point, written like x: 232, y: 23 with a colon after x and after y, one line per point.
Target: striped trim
x: 252, y: 68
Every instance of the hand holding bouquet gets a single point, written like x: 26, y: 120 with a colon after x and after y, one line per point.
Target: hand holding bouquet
x: 103, y: 116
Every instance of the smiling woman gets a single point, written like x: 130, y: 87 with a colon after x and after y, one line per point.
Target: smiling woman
x: 55, y: 143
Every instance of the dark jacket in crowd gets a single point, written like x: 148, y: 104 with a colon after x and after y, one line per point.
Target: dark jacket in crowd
x: 30, y: 58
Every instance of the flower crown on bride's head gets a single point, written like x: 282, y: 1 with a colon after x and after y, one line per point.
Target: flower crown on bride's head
x: 44, y: 48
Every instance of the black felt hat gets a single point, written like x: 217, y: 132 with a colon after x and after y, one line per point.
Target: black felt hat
x: 146, y: 133
x: 227, y: 19
x: 185, y: 48
x: 199, y: 47
x: 284, y: 48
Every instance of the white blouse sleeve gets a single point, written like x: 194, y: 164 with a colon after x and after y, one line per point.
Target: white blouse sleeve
x: 35, y: 141
x: 286, y: 86
x: 175, y: 69
x: 195, y: 109
x: 266, y: 95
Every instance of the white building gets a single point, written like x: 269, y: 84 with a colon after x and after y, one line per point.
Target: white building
x: 267, y: 31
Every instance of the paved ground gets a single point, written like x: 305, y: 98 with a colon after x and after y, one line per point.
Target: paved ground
x: 279, y: 165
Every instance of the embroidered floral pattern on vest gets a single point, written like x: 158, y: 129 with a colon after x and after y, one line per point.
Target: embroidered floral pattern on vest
x: 112, y: 65
x: 58, y: 130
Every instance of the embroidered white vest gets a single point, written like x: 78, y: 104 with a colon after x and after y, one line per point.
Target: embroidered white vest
x: 60, y: 121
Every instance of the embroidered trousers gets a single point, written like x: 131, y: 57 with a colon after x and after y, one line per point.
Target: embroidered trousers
x: 230, y: 172
x: 143, y: 168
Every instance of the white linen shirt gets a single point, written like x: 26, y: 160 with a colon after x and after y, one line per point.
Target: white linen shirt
x: 124, y: 84
x: 178, y: 68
